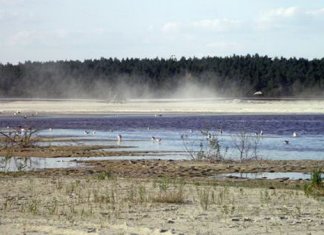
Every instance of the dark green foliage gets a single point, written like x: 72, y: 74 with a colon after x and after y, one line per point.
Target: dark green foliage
x: 101, y: 78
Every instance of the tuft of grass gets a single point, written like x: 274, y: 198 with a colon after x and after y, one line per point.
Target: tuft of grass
x: 104, y: 175
x: 315, y: 187
x: 168, y: 194
x: 204, y: 198
x: 316, y: 178
x: 176, y: 197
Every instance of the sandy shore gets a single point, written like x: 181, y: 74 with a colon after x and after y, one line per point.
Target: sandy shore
x: 103, y: 204
x: 8, y: 107
x: 159, y: 197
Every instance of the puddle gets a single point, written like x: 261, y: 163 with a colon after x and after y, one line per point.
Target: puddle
x: 14, y: 164
x: 268, y: 175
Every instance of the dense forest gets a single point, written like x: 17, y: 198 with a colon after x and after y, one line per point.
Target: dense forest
x: 235, y: 76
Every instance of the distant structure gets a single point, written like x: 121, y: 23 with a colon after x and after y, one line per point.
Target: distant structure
x: 258, y: 93
x: 286, y: 141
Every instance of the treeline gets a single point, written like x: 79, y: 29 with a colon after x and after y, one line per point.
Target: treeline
x: 236, y: 76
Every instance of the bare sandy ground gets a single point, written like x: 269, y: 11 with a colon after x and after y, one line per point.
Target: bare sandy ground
x: 105, y: 205
x: 204, y: 106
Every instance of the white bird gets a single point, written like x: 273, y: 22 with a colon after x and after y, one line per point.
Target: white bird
x: 119, y: 137
x: 86, y: 132
x: 294, y: 134
x: 157, y: 140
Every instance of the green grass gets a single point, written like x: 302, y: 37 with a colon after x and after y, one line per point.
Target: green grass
x: 316, y: 187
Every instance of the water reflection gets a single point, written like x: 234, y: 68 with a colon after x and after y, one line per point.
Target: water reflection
x: 268, y: 175
x: 174, y: 131
x: 13, y: 164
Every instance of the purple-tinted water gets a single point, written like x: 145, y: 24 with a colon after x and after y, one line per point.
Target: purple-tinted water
x: 271, y: 124
x: 137, y: 131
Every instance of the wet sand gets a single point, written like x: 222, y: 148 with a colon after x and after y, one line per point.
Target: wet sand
x: 225, y: 106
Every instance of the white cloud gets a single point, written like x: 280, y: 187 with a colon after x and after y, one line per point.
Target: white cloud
x: 11, y: 2
x: 283, y: 12
x: 171, y: 27
x: 207, y: 25
x: 15, y: 16
x: 28, y: 37
x: 316, y: 12
x: 219, y: 25
x: 289, y: 17
x: 224, y: 45
x: 25, y: 37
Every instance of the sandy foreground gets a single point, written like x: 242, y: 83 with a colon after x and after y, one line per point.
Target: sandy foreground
x: 159, y: 197
x: 103, y: 204
x: 235, y: 106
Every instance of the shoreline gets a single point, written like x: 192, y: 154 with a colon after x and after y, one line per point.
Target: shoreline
x: 218, y: 107
x: 147, y: 114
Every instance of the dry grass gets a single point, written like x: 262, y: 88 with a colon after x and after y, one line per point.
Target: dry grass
x: 104, y: 198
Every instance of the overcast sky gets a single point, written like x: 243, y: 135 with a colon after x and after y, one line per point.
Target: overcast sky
x: 42, y: 30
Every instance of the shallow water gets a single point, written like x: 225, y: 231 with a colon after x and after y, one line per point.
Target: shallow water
x: 181, y: 135
x: 34, y: 163
x: 268, y: 175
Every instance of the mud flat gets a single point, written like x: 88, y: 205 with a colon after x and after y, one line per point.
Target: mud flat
x: 214, y: 106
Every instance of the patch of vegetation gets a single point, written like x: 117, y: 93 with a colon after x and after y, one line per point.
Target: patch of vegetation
x: 316, y: 187
x: 105, y: 175
x: 19, y: 138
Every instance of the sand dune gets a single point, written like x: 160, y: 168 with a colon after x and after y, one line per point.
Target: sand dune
x: 234, y: 106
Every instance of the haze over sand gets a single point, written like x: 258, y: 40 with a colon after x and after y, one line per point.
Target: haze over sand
x: 208, y: 106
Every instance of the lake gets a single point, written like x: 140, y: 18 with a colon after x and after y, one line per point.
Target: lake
x: 180, y: 135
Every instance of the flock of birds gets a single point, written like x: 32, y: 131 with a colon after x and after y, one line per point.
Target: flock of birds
x: 153, y: 138
x: 119, y: 137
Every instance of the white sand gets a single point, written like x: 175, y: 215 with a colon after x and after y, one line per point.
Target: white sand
x: 203, y: 106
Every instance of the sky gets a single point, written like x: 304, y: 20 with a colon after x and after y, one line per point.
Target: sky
x: 47, y: 30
